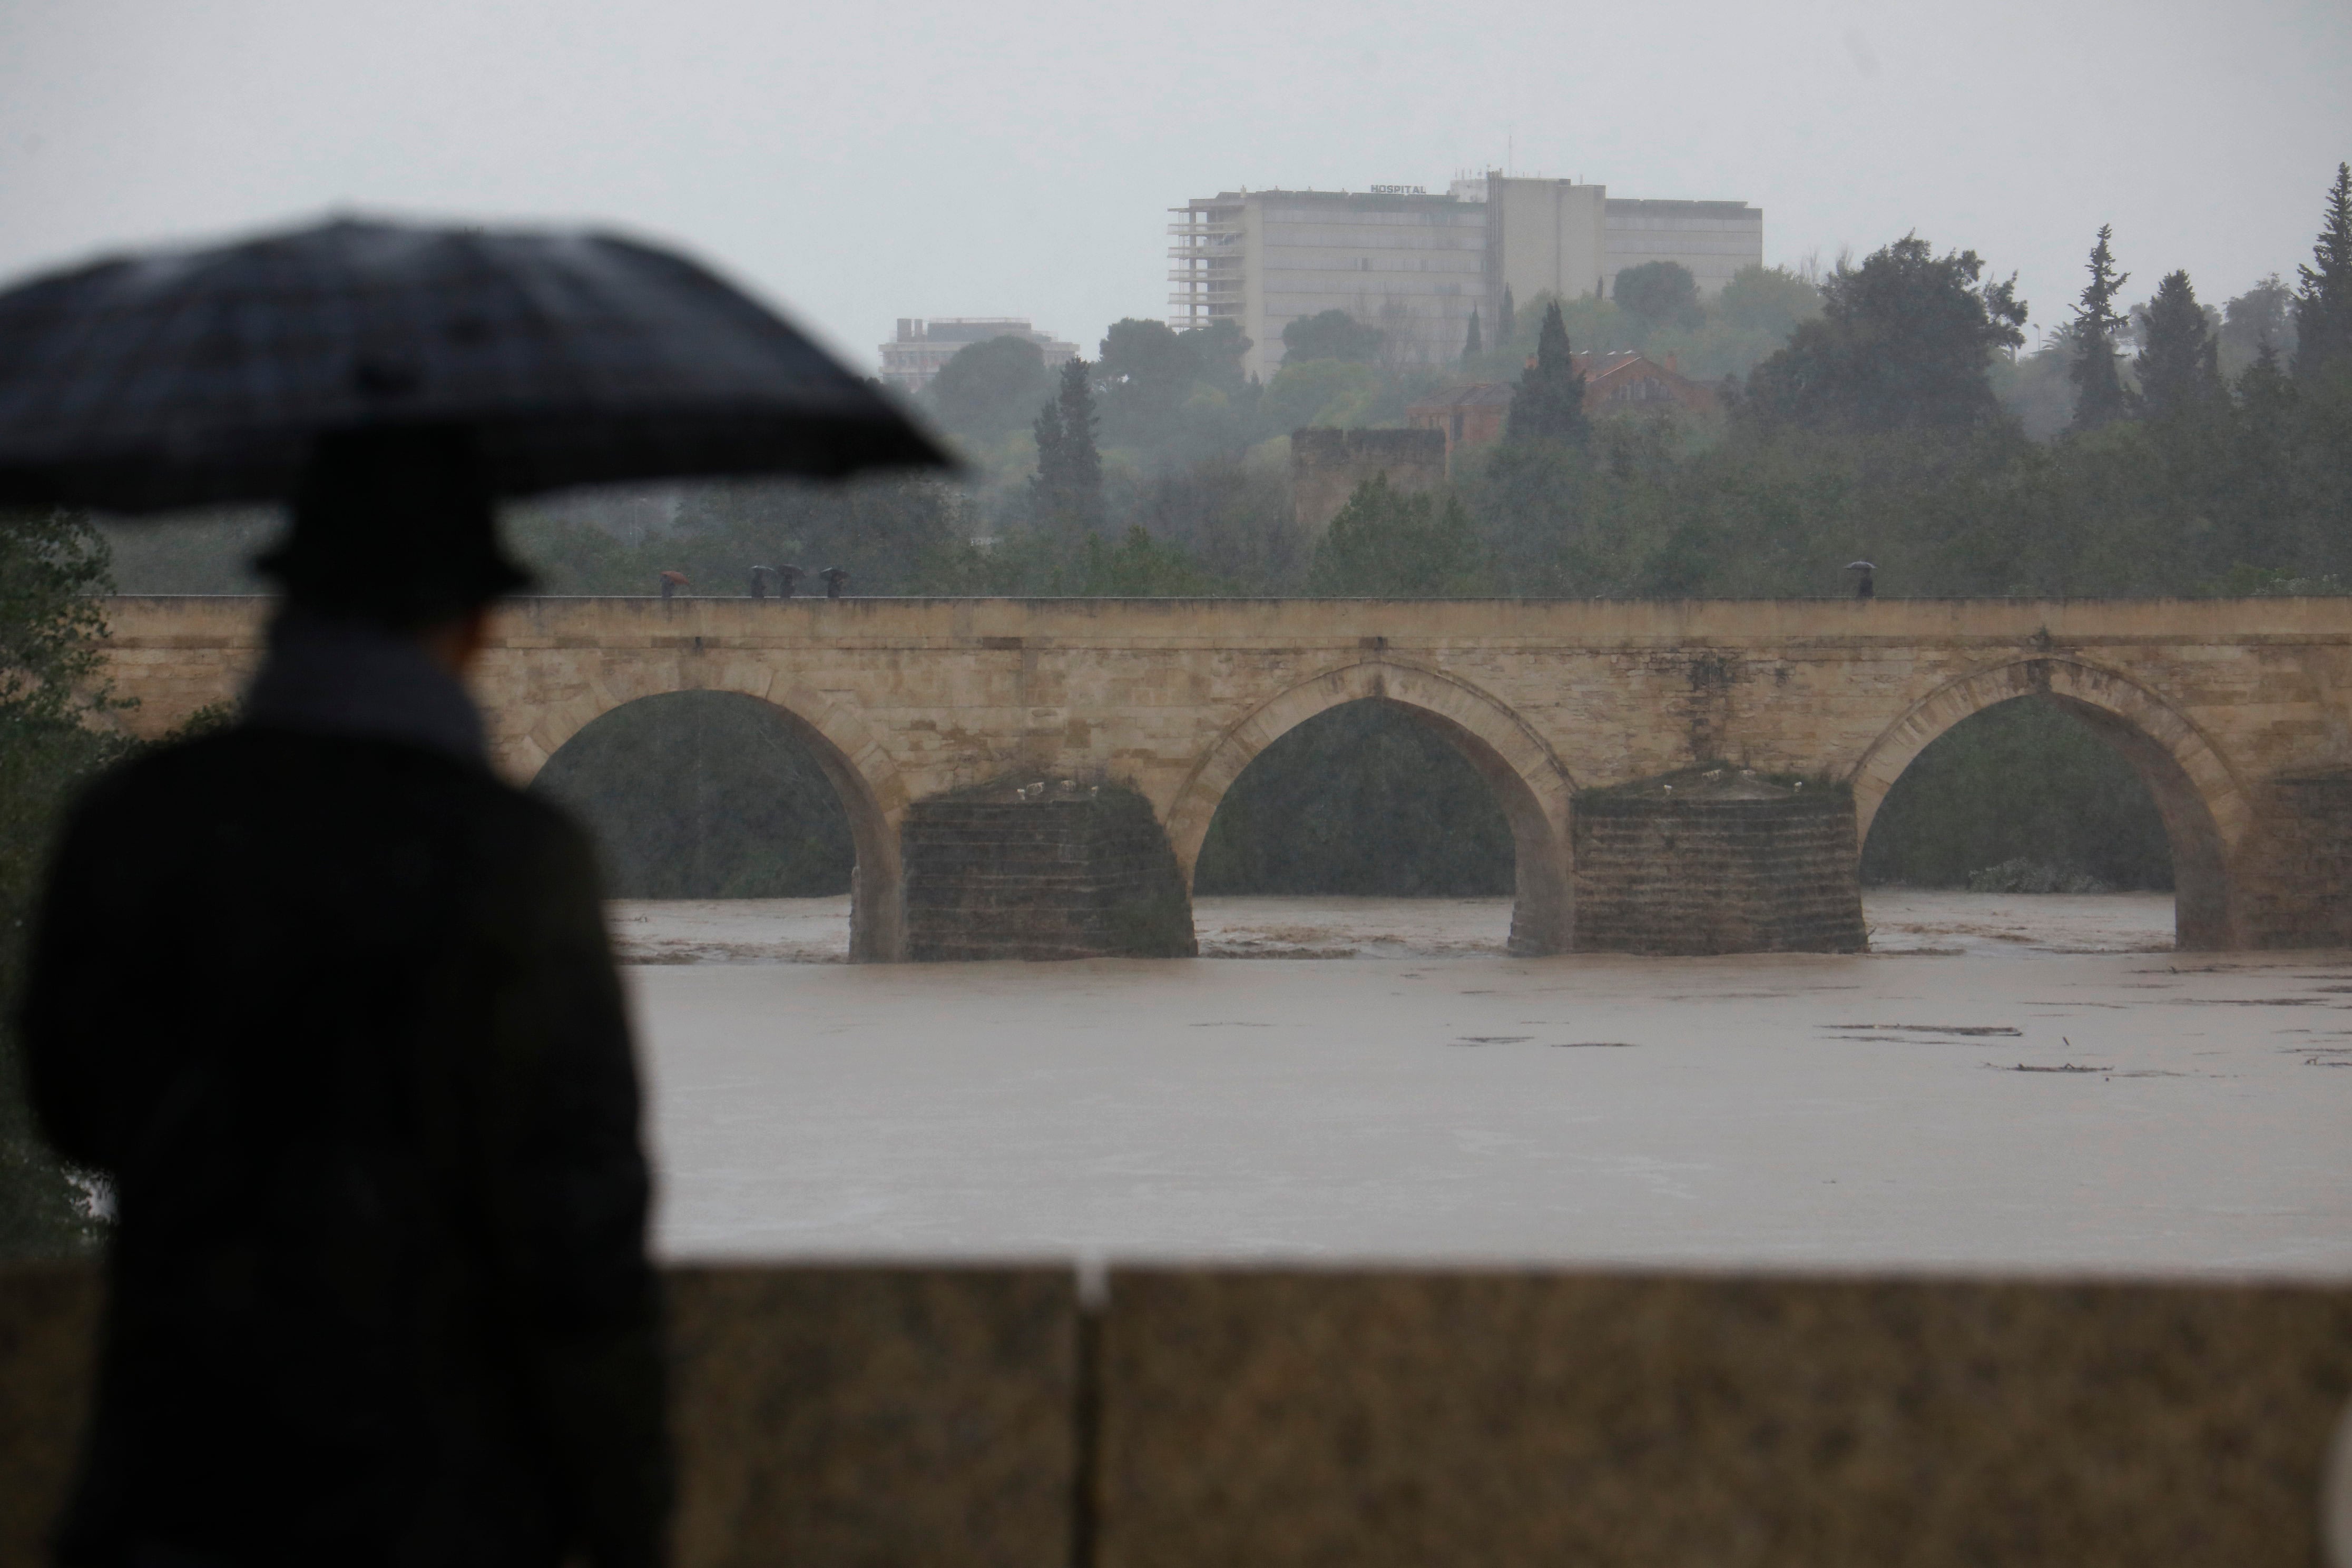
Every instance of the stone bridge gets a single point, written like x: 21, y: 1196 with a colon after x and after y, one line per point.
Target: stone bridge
x: 2238, y: 713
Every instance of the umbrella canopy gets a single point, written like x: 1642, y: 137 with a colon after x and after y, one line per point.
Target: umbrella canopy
x: 203, y: 376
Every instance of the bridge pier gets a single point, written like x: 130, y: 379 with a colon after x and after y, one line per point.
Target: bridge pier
x: 1042, y: 868
x: 2296, y: 878
x: 1716, y: 861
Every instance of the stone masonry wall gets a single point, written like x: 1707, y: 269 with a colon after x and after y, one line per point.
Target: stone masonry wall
x: 1041, y: 870
x: 1768, y: 870
x: 1326, y: 467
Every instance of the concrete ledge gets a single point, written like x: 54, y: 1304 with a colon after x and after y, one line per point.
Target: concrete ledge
x: 858, y: 1415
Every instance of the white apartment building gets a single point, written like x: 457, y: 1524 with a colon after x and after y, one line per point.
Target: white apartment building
x: 1415, y: 265
x: 915, y: 354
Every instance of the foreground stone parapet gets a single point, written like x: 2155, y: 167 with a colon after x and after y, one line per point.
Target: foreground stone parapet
x: 48, y: 1345
x: 1403, y: 1419
x: 1042, y: 869
x: 871, y: 1416
x: 841, y: 1417
x: 1713, y: 860
x: 819, y: 1415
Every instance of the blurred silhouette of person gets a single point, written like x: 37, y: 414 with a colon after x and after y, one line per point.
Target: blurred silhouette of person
x: 671, y: 581
x: 789, y: 577
x: 835, y: 580
x: 1863, y: 589
x: 333, y: 1009
x: 759, y: 582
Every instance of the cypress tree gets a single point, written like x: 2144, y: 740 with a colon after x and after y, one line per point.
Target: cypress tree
x: 1048, y: 430
x: 1507, y: 326
x: 2099, y: 391
x: 2177, y: 367
x: 1067, y: 490
x: 1470, y: 347
x: 1550, y: 404
x: 2322, y: 306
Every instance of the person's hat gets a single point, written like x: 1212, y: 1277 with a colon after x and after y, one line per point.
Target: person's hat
x: 394, y: 524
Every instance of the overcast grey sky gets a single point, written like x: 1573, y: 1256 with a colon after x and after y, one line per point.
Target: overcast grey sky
x: 859, y: 162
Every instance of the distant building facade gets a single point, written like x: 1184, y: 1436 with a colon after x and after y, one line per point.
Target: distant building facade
x: 1416, y: 264
x: 1477, y: 416
x: 911, y: 358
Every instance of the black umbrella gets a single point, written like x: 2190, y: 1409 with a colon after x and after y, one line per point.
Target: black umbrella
x: 203, y: 376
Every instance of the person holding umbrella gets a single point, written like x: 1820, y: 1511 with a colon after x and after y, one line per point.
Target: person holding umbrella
x: 331, y: 1006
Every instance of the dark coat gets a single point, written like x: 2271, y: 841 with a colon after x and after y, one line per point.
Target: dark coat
x: 340, y: 1018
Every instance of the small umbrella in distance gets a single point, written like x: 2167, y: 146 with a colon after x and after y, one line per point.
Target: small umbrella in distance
x: 1864, y: 587
x: 195, y: 377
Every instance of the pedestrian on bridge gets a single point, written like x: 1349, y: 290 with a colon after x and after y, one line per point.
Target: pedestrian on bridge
x: 671, y: 581
x: 1863, y: 587
x: 836, y: 580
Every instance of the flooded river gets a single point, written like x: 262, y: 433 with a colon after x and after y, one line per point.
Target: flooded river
x: 2011, y: 1083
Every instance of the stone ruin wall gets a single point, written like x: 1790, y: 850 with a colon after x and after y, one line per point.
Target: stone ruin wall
x: 1326, y: 467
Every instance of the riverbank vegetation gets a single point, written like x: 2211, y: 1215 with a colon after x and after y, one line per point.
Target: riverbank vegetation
x: 52, y: 739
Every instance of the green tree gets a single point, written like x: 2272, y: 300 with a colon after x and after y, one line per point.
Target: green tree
x: 2263, y: 314
x: 52, y: 566
x: 988, y: 388
x: 1139, y: 567
x: 1146, y: 372
x: 1067, y: 494
x: 1768, y: 299
x: 1472, y: 347
x: 2099, y: 395
x: 1507, y: 324
x: 1325, y: 393
x: 2323, y: 305
x: 2178, y: 364
x: 1332, y: 334
x: 1388, y: 544
x: 883, y: 530
x: 1550, y: 404
x: 1903, y: 340
x: 1219, y: 349
x: 1660, y: 294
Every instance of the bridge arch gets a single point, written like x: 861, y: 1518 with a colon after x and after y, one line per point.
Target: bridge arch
x: 873, y: 795
x: 2206, y: 812
x: 1530, y: 782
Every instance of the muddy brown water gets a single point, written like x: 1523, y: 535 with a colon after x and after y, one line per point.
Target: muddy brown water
x: 2007, y: 1084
